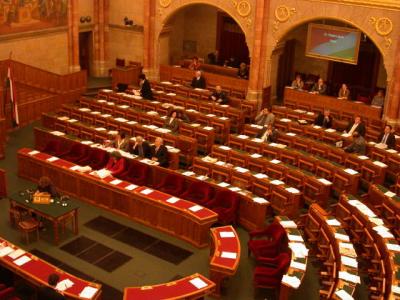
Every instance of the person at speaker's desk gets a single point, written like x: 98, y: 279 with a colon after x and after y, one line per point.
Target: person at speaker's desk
x: 344, y: 92
x: 319, y: 87
x: 297, y: 84
x: 46, y: 186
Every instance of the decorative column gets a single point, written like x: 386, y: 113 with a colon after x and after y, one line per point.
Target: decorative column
x: 257, y: 64
x: 392, y: 110
x: 101, y: 35
x: 149, y: 39
x: 73, y: 35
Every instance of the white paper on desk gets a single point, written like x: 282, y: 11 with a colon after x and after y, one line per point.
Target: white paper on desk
x: 351, y: 171
x: 223, y: 184
x: 260, y: 176
x: 350, y: 262
x: 288, y: 224
x: 173, y: 200
x: 53, y: 158
x: 310, y: 113
x: 225, y: 147
x: 342, y: 237
x: 256, y: 126
x: 84, y: 109
x: 198, y: 283
x: 22, y: 260
x: 292, y: 281
x: 110, y: 103
x: 227, y: 234
x: 131, y: 187
x: 171, y: 94
x: 100, y: 129
x: 211, y: 115
x: 220, y: 163
x: 17, y: 253
x: 285, y: 120
x: 376, y: 221
x: 330, y: 130
x: 95, y: 113
x: 195, y: 208
x: 275, y: 161
x: 86, y: 142
x: 64, y: 285
x: 291, y: 134
x: 295, y: 238
x: 342, y: 294
x: 242, y: 136
x: 146, y: 191
x: 235, y: 189
x: 5, y: 251
x: 208, y: 128
x: 292, y: 190
x: 299, y: 250
x: 366, y: 211
x: 345, y: 135
x: 297, y: 265
x: 363, y: 157
x: 72, y: 120
x: 241, y: 170
x: 277, y: 182
x: 346, y: 245
x: 390, y: 194
x: 317, y: 127
x: 202, y: 177
x: 380, y: 164
x: 324, y: 181
x: 386, y: 234
x: 103, y: 173
x: 116, y: 181
x: 354, y: 202
x: 256, y: 155
x: 396, y: 289
x: 349, y: 277
x: 188, y: 173
x: 124, y: 106
x: 131, y: 122
x: 391, y: 151
x: 63, y: 118
x: 260, y: 200
x: 231, y: 255
x: 88, y: 292
x: 393, y: 247
x: 58, y: 133
x: 333, y: 222
x: 34, y: 152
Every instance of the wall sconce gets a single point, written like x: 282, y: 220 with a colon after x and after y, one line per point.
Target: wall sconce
x: 86, y: 19
x: 128, y: 22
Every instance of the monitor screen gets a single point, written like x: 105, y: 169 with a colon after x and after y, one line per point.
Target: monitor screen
x: 333, y: 43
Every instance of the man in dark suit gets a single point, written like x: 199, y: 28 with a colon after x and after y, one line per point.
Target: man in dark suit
x: 49, y: 292
x: 324, y: 120
x: 319, y: 87
x: 219, y: 96
x: 358, y: 145
x: 159, y: 153
x: 198, y: 81
x: 387, y: 138
x: 141, y: 148
x: 268, y: 134
x: 356, y: 126
x: 145, y: 88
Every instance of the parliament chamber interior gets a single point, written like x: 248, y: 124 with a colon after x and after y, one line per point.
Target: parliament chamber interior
x: 199, y: 149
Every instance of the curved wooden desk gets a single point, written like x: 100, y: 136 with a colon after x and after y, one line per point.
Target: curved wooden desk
x: 191, y: 287
x: 37, y: 272
x: 224, y: 255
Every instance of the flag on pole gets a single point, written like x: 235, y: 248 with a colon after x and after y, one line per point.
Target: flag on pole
x: 14, y: 104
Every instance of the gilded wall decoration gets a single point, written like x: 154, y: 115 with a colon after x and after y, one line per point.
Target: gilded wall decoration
x: 165, y: 3
x: 282, y: 14
x: 383, y: 27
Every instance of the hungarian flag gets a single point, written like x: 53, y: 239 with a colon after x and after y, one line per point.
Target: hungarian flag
x: 14, y: 104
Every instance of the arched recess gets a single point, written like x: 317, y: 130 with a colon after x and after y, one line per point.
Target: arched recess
x: 284, y: 17
x: 165, y: 12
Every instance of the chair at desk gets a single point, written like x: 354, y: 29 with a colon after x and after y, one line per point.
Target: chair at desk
x: 53, y: 147
x: 368, y: 176
x: 171, y: 184
x: 26, y: 224
x: 198, y: 192
x: 340, y: 184
x: 97, y: 159
x: 77, y: 152
x: 188, y: 149
x: 267, y: 242
x: 202, y: 141
x: 225, y: 204
x: 220, y: 174
x: 136, y: 173
x: 8, y: 294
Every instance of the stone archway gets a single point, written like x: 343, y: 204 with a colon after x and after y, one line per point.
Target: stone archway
x: 242, y: 12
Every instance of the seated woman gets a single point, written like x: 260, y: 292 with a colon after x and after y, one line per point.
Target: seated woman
x: 378, y: 99
x: 116, y: 164
x: 243, y: 71
x: 344, y: 92
x: 298, y: 84
x: 195, y: 64
x: 46, y: 186
x: 121, y: 142
x: 171, y: 122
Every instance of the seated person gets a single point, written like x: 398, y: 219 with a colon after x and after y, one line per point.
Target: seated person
x: 265, y: 117
x: 219, y: 96
x: 141, y: 147
x: 324, y: 120
x: 116, y: 164
x: 319, y: 87
x: 145, y: 88
x: 213, y: 58
x: 378, y: 99
x: 159, y: 153
x: 243, y: 71
x: 230, y: 63
x: 198, y: 81
x: 358, y: 145
x: 357, y: 126
x: 387, y: 138
x: 121, y: 142
x: 298, y: 84
x: 344, y: 92
x: 181, y: 115
x: 195, y: 64
x: 172, y: 122
x: 46, y: 186
x: 268, y: 134
x: 49, y: 292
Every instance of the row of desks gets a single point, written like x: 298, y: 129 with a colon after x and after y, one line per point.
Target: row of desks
x: 252, y: 209
x: 37, y: 271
